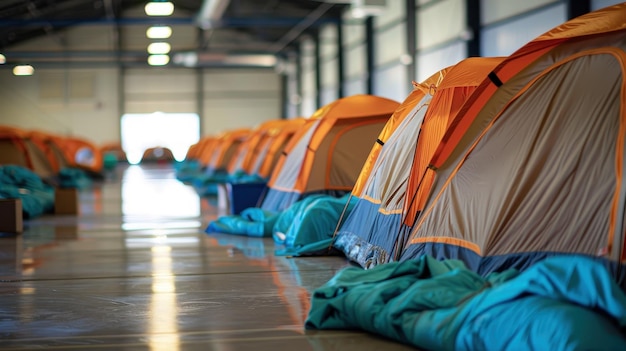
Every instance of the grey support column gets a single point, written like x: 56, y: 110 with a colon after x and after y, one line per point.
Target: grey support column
x: 340, y: 59
x: 577, y: 8
x: 473, y: 27
x: 369, y: 60
x: 318, y: 74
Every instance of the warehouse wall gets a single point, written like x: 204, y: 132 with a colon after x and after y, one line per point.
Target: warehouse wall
x: 88, y: 100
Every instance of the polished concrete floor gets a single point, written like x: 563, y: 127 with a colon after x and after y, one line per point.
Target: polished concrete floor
x: 135, y: 270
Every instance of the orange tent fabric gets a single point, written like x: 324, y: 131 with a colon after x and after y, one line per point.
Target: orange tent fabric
x: 459, y: 84
x: 329, y: 156
x: 226, y: 148
x: 532, y: 165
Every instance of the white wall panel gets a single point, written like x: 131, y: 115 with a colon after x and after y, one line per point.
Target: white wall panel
x: 391, y: 82
x: 506, y: 38
x: 236, y: 80
x: 328, y: 95
x: 224, y: 114
x: 307, y: 76
x: 153, y: 81
x: 394, y: 12
x: 355, y: 61
x: 390, y: 44
x: 355, y: 86
x: 25, y: 104
x: 308, y: 106
x: 430, y: 62
x: 329, y: 73
x: 328, y: 41
x: 440, y: 22
x: 496, y: 10
x: 239, y: 98
x: 152, y: 90
x: 353, y: 31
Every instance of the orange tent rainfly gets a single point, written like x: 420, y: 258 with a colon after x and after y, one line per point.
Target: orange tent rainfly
x: 17, y: 147
x: 532, y: 165
x: 371, y: 231
x: 226, y: 148
x: 328, y: 157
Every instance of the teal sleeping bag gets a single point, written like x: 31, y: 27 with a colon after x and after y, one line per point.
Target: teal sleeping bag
x: 561, y: 303
x: 307, y: 227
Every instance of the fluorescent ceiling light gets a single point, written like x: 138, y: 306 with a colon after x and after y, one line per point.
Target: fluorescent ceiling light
x: 251, y: 60
x: 159, y: 8
x: 23, y: 70
x: 159, y: 48
x: 3, y: 59
x: 158, y: 60
x: 159, y: 32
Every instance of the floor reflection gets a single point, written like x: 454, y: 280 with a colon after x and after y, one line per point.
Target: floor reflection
x: 144, y: 194
x: 135, y: 270
x: 163, y: 326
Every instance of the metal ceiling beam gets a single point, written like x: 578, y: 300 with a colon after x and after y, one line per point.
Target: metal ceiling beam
x: 295, y: 32
x: 225, y: 22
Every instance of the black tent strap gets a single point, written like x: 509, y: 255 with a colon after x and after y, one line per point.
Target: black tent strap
x: 494, y: 78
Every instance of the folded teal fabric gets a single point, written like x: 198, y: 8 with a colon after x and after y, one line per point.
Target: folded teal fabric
x: 561, y: 303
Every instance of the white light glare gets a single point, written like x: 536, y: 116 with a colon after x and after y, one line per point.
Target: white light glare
x: 158, y: 60
x: 23, y: 70
x: 159, y: 8
x: 159, y: 32
x: 159, y: 48
x: 3, y: 59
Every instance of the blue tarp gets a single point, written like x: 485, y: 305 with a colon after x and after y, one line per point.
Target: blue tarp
x: 561, y: 303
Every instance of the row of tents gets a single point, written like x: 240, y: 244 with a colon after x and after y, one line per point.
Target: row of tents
x: 499, y: 162
x: 33, y: 163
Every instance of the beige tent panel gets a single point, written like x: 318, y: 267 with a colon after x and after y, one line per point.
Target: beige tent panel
x: 542, y: 177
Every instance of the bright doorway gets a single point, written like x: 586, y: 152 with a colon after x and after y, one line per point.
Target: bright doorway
x: 175, y: 131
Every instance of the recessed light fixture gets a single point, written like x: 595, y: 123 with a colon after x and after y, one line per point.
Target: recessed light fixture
x: 158, y: 60
x: 23, y: 70
x: 159, y: 8
x: 159, y: 48
x: 3, y: 59
x: 159, y: 32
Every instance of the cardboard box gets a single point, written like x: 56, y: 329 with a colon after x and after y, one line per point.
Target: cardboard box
x: 11, y: 216
x: 66, y: 201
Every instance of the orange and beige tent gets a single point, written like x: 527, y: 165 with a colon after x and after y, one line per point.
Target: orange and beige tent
x: 114, y: 148
x: 53, y: 148
x: 204, y: 150
x: 329, y: 156
x: 17, y: 147
x: 532, y: 165
x: 248, y: 148
x: 370, y: 232
x: 70, y: 151
x: 82, y: 154
x: 275, y: 142
x: 226, y: 148
x: 157, y: 154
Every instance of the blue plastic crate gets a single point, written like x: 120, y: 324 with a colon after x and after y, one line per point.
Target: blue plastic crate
x: 243, y: 195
